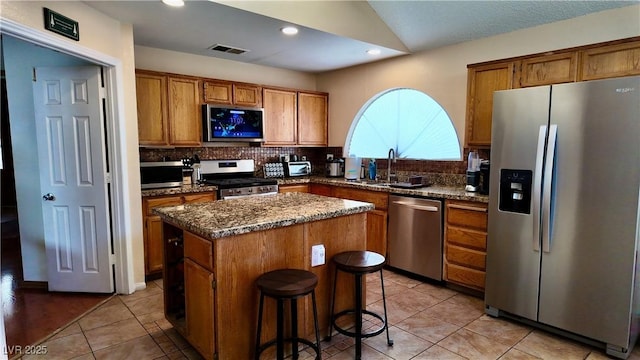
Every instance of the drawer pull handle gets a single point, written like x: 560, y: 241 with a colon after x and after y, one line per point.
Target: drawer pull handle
x: 465, y: 207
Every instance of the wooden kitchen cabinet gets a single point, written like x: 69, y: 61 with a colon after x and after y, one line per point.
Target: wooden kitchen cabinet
x: 295, y: 117
x: 377, y: 219
x: 185, y: 120
x: 312, y: 119
x: 152, y: 232
x: 465, y: 243
x: 293, y: 188
x: 232, y: 93
x: 482, y: 81
x: 199, y: 297
x: 168, y: 110
x: 611, y: 61
x: 321, y: 189
x: 280, y: 116
x: 151, y: 101
x: 590, y: 62
x: 546, y: 70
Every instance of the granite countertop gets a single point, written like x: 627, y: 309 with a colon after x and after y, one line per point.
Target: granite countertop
x: 434, y: 191
x: 184, y: 189
x: 216, y: 219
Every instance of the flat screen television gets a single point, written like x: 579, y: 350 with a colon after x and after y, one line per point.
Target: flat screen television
x: 222, y: 123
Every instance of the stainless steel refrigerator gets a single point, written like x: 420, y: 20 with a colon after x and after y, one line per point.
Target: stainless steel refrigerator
x: 563, y: 209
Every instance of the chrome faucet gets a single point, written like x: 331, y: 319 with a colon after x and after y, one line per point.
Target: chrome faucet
x: 392, y: 156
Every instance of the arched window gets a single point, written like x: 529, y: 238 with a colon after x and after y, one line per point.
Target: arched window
x: 406, y: 120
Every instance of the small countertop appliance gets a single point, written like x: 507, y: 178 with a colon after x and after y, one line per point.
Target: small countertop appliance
x: 335, y: 168
x: 352, y: 167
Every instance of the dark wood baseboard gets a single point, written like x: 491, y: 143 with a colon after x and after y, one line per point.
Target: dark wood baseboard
x: 40, y: 285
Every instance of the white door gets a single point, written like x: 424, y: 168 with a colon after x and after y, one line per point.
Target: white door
x: 73, y: 178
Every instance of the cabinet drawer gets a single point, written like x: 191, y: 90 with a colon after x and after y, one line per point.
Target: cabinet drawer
x: 163, y: 201
x: 199, y: 250
x: 469, y: 215
x: 465, y: 276
x: 198, y: 198
x: 321, y: 189
x: 466, y: 257
x: 467, y: 237
x: 380, y: 200
x: 294, y: 188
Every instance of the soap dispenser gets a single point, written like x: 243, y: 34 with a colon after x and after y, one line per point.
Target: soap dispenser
x: 372, y: 169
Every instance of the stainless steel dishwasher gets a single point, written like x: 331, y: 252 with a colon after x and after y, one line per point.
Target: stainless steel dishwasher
x: 415, y: 235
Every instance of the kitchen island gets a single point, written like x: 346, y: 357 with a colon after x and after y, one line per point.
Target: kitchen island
x: 215, y: 251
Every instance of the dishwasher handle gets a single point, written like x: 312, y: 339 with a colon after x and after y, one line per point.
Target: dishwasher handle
x: 416, y: 206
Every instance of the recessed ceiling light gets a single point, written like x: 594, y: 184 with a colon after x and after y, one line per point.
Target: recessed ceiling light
x: 289, y: 30
x: 175, y: 3
x: 373, y: 51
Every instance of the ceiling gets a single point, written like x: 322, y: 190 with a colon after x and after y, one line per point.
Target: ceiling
x: 333, y: 34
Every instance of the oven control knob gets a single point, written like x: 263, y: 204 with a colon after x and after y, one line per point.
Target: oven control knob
x: 250, y: 190
x: 237, y: 191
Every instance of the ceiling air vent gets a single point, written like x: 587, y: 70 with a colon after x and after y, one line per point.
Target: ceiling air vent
x: 228, y: 49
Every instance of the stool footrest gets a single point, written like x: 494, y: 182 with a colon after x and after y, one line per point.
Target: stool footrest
x: 352, y: 333
x: 270, y: 343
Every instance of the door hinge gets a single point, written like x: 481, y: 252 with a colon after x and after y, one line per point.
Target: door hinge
x: 213, y: 284
x: 34, y: 75
x: 112, y: 259
x: 107, y: 178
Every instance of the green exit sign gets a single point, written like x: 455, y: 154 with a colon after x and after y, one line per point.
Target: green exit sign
x: 61, y: 24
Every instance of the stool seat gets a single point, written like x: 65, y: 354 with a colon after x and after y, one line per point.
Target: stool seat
x: 359, y: 261
x: 287, y: 283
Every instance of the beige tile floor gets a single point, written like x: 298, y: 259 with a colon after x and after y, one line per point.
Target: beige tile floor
x: 426, y: 322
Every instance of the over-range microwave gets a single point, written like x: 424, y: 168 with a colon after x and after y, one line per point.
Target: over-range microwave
x: 222, y: 123
x: 160, y: 174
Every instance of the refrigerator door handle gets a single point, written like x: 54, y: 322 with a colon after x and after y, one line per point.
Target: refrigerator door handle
x: 547, y: 226
x: 537, y: 187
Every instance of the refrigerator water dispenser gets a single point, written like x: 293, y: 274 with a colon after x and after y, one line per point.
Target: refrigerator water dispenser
x: 515, y: 190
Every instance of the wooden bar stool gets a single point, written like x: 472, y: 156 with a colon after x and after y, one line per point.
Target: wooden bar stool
x: 358, y: 263
x: 282, y: 285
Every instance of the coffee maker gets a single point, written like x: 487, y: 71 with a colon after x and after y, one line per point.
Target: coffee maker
x: 473, y: 172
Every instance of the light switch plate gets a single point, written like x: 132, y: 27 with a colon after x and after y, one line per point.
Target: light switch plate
x: 317, y: 255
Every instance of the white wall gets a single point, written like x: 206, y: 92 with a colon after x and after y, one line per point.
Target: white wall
x: 107, y: 36
x: 19, y: 59
x: 209, y: 67
x: 442, y: 73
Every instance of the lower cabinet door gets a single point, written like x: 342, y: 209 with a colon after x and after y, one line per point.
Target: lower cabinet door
x: 153, y: 246
x: 377, y: 231
x: 199, y: 308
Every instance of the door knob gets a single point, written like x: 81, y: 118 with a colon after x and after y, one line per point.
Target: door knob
x: 48, y: 197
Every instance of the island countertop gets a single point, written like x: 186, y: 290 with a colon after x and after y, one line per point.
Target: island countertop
x: 217, y: 219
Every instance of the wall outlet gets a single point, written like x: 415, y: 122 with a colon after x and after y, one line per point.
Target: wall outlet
x: 317, y: 255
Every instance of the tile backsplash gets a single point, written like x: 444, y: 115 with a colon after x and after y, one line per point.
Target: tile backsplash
x: 451, y: 173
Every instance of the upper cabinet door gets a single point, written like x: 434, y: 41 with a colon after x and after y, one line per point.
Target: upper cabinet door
x: 547, y: 70
x: 247, y: 95
x: 218, y: 92
x: 184, y: 112
x: 611, y: 61
x: 312, y: 119
x: 280, y: 115
x: 482, y: 81
x: 151, y: 94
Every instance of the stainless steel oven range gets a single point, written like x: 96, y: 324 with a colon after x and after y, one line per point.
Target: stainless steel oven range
x: 236, y: 178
